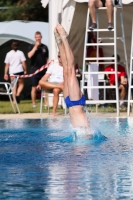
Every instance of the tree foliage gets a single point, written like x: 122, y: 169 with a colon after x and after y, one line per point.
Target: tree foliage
x: 30, y: 10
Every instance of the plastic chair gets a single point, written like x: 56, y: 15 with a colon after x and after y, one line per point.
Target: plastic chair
x: 49, y: 95
x: 8, y: 90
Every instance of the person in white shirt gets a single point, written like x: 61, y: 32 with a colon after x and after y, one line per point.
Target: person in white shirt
x: 15, y: 64
x: 53, y: 80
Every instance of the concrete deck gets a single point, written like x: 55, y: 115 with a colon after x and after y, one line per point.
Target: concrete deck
x: 45, y: 115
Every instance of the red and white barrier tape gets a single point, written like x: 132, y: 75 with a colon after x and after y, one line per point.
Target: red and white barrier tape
x: 36, y: 72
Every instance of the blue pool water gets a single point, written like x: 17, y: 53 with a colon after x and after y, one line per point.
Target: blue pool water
x: 39, y: 160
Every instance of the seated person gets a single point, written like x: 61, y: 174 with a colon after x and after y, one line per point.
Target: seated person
x: 93, y: 5
x: 52, y: 81
x: 122, y: 80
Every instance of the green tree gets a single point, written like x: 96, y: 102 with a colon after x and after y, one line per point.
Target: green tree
x: 30, y: 10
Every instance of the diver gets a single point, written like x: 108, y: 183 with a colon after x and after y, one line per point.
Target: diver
x: 74, y: 98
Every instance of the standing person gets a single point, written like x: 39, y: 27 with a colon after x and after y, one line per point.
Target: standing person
x: 52, y: 81
x: 15, y: 63
x: 74, y: 98
x: 38, y: 53
x: 93, y: 5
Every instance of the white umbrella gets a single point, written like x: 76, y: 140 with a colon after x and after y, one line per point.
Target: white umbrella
x: 24, y: 31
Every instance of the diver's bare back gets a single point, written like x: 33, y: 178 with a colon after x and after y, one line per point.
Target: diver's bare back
x: 78, y: 117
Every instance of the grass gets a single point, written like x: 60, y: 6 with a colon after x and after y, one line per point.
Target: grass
x: 26, y: 107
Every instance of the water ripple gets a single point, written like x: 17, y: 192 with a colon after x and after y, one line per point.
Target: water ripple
x: 40, y: 159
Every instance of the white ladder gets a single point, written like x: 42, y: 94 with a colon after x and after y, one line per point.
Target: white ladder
x: 99, y: 60
x: 130, y: 100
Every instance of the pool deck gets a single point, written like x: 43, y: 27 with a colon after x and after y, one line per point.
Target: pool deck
x: 45, y: 115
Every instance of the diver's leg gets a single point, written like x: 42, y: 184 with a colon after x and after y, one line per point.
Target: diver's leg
x: 72, y: 82
x: 64, y: 62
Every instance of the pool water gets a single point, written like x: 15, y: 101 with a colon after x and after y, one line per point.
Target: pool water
x: 38, y: 160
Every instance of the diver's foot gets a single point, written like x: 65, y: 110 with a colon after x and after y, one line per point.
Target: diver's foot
x: 61, y: 31
x: 57, y: 37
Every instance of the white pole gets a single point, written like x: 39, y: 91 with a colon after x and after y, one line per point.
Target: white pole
x: 52, y: 24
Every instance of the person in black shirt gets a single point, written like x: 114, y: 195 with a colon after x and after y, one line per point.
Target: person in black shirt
x: 93, y: 5
x: 38, y: 53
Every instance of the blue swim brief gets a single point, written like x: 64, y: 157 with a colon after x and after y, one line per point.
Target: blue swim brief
x: 80, y: 102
